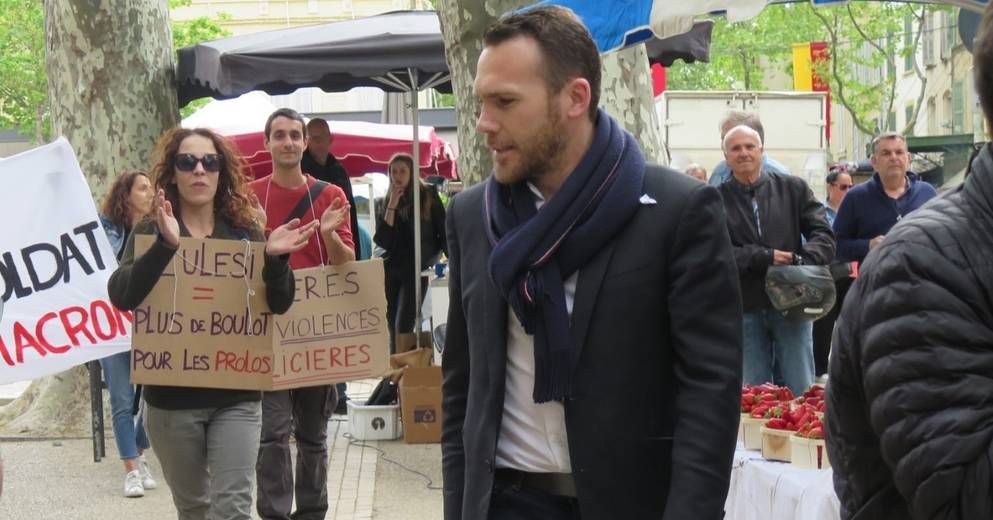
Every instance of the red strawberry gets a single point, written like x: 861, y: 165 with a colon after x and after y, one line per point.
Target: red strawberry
x: 777, y: 424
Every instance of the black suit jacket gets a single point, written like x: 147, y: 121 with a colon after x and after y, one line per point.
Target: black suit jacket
x: 652, y: 421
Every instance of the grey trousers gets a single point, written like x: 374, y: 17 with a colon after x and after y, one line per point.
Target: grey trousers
x: 207, y: 458
x: 306, y: 411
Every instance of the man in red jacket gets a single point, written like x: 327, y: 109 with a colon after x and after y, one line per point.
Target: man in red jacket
x: 286, y: 194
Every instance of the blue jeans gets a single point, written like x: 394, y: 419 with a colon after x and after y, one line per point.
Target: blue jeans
x: 130, y: 437
x: 778, y: 350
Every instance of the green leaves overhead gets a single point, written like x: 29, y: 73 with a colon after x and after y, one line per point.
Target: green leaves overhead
x: 23, y: 79
x: 866, y: 42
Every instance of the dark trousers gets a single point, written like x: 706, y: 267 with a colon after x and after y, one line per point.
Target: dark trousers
x: 400, y: 305
x: 515, y: 502
x: 824, y: 328
x: 306, y: 411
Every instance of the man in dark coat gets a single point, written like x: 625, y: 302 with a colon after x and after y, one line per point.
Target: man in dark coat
x: 870, y: 209
x: 592, y: 364
x: 909, y: 414
x: 318, y: 162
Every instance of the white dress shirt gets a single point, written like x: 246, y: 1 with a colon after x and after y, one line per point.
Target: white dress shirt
x: 532, y: 436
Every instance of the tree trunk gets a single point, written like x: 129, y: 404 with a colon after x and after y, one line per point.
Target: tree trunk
x: 627, y: 96
x: 112, y: 94
x: 626, y: 92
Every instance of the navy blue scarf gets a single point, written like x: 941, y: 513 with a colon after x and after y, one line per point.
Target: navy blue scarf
x: 534, y: 251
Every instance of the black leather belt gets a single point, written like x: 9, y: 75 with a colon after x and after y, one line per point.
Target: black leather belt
x: 560, y: 484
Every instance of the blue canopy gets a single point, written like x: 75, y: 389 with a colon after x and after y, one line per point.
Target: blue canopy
x: 616, y: 24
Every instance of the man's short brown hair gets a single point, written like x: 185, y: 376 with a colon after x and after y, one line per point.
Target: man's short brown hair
x: 982, y: 61
x: 567, y: 49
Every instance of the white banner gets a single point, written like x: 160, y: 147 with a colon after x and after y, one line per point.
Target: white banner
x: 55, y: 261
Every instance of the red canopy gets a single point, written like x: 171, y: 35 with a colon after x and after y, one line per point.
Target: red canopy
x: 363, y: 148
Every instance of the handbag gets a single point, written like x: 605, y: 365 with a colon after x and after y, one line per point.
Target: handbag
x: 800, y: 292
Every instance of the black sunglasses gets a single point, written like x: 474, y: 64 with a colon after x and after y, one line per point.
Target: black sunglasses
x: 842, y: 187
x: 187, y: 162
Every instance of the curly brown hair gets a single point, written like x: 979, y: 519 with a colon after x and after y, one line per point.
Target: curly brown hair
x: 234, y: 200
x: 116, y: 205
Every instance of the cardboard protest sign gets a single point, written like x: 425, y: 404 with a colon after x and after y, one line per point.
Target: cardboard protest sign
x: 336, y: 329
x: 55, y: 261
x: 206, y: 322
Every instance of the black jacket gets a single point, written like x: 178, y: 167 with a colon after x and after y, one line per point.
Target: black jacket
x: 333, y: 172
x: 787, y: 211
x: 398, y: 240
x: 653, y: 414
x: 910, y: 397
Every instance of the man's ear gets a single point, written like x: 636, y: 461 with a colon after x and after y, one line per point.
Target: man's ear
x: 580, y: 95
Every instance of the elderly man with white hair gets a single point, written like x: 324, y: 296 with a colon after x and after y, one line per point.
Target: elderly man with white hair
x: 769, y: 215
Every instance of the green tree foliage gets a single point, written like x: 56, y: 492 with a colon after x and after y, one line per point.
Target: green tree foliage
x: 865, y: 41
x: 23, y: 79
x: 741, y: 53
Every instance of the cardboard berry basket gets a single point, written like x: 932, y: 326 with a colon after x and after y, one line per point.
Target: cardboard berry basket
x: 751, y: 432
x: 776, y: 444
x: 809, y: 453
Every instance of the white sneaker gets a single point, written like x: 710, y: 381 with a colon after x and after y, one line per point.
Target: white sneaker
x: 132, y: 485
x: 147, y: 480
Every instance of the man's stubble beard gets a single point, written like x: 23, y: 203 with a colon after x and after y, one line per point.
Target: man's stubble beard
x: 538, y: 158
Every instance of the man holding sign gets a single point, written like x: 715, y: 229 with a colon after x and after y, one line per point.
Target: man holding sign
x: 285, y: 195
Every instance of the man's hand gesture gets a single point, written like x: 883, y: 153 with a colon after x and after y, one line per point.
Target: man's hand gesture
x: 334, y: 216
x: 290, y: 237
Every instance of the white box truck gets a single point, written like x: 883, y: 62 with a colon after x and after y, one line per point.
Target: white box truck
x: 794, y: 124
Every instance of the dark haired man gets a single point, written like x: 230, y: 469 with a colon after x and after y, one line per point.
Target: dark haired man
x: 909, y: 417
x: 595, y: 300
x: 873, y: 207
x: 306, y: 410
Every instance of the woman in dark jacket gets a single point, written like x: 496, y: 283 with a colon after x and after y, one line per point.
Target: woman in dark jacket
x: 395, y: 235
x: 207, y: 439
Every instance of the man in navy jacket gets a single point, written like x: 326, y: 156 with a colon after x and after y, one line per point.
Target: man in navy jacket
x: 873, y: 207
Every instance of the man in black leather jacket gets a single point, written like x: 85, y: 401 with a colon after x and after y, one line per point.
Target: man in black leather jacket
x: 768, y: 216
x: 909, y: 414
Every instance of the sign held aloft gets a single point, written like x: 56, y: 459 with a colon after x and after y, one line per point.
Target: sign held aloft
x: 206, y: 322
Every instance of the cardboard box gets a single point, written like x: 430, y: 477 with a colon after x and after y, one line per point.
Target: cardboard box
x: 408, y: 341
x: 420, y: 404
x: 373, y: 423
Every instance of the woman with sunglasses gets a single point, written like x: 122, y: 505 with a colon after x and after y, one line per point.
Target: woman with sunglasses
x: 838, y: 184
x: 129, y: 199
x: 206, y: 439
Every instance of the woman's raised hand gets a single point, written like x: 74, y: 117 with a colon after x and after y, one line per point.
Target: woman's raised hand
x: 168, y: 225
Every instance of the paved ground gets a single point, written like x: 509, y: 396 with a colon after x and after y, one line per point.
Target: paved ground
x: 57, y: 479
